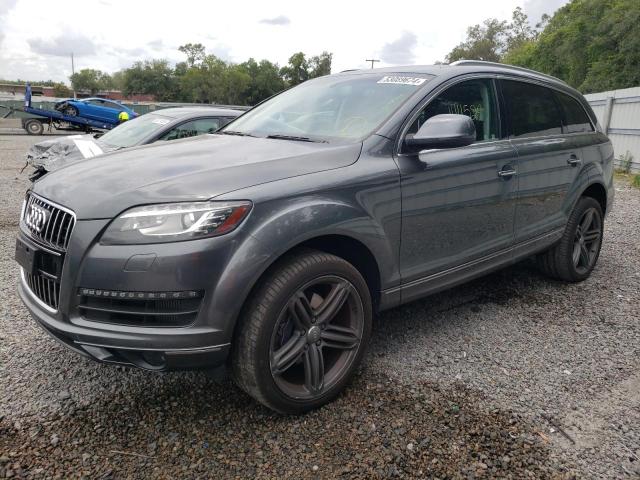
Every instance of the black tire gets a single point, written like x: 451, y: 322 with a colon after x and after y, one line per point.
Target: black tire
x: 270, y: 323
x: 34, y: 127
x: 582, y: 238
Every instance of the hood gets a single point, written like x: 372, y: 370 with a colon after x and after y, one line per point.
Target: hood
x: 197, y: 168
x: 58, y: 152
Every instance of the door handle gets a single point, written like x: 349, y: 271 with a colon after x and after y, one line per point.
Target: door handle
x: 506, y: 173
x: 573, y: 160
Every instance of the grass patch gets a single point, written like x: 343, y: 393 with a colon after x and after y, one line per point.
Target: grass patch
x: 630, y: 178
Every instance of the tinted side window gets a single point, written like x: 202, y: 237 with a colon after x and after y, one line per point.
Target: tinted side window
x: 473, y: 98
x: 114, y: 105
x: 575, y: 118
x: 193, y: 128
x: 533, y: 110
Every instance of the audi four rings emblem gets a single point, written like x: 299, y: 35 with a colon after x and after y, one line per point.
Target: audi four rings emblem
x: 36, y: 218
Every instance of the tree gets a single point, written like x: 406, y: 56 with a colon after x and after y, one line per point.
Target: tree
x: 117, y: 80
x: 195, y: 53
x: 60, y: 90
x: 91, y: 80
x: 591, y: 44
x: 265, y: 80
x: 519, y: 31
x: 153, y: 77
x: 297, y: 70
x: 320, y: 65
x: 484, y: 42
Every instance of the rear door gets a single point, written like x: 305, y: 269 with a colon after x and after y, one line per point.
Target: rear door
x: 548, y: 158
x: 458, y: 204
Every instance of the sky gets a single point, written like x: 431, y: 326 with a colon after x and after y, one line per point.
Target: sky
x: 37, y: 37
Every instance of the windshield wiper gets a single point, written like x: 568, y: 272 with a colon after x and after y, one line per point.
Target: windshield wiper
x: 233, y: 132
x: 295, y: 138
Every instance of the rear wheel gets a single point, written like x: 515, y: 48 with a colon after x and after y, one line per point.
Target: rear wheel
x: 34, y: 127
x: 304, y: 333
x: 575, y: 256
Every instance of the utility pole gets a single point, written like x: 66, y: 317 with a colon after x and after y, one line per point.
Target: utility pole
x: 372, y: 60
x: 73, y: 72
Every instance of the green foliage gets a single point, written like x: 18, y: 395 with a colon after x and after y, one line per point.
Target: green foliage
x: 60, y: 90
x: 91, y: 80
x: 152, y: 77
x: 205, y: 78
x: 625, y: 162
x: 484, y: 42
x: 43, y: 83
x: 591, y: 44
x: 297, y: 71
x: 265, y: 80
x: 636, y: 181
x: 195, y: 53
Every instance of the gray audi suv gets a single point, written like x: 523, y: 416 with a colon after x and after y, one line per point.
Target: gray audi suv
x: 267, y: 247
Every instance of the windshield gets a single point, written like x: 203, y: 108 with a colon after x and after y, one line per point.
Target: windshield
x: 132, y: 132
x: 332, y: 107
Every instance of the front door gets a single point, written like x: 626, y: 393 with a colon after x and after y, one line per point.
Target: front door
x: 458, y: 204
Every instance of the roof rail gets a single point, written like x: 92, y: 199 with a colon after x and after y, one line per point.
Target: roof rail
x: 505, y: 66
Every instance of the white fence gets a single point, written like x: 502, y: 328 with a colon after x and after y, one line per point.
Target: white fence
x: 618, y: 112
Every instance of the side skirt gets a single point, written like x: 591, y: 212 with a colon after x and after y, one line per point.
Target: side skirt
x: 468, y: 271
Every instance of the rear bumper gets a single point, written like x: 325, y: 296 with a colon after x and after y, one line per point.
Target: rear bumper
x: 148, y: 348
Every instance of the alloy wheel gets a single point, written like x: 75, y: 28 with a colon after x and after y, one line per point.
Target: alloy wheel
x: 316, y: 337
x: 586, y: 245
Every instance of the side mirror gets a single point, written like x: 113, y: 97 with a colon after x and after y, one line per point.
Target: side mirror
x: 444, y: 131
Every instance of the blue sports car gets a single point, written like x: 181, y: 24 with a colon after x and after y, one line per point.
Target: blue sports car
x: 98, y: 109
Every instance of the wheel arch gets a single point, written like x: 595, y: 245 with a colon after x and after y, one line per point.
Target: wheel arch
x: 598, y: 192
x: 346, y: 247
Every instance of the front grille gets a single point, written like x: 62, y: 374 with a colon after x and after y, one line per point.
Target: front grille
x: 43, y: 287
x: 163, y: 309
x: 47, y: 223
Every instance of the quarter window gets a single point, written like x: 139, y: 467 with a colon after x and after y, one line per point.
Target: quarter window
x: 533, y: 110
x: 473, y: 98
x: 575, y: 118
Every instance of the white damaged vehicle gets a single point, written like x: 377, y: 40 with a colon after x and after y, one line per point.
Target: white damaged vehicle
x: 167, y: 124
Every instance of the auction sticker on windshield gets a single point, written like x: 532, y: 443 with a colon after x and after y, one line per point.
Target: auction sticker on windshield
x: 402, y: 80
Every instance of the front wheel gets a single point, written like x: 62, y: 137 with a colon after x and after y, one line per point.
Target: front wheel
x: 303, y: 333
x: 575, y: 256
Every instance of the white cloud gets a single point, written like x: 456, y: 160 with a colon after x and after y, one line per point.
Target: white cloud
x: 112, y: 34
x: 536, y: 8
x: 279, y: 20
x: 63, y: 45
x: 401, y: 50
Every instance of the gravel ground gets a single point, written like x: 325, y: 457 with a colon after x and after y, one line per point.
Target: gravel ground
x: 510, y: 376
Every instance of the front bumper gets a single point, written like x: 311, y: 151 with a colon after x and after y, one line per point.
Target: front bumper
x: 223, y: 268
x: 147, y: 348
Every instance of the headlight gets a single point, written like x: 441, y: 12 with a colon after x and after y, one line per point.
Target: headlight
x: 173, y: 222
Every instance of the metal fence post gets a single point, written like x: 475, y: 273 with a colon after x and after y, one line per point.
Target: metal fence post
x: 606, y: 118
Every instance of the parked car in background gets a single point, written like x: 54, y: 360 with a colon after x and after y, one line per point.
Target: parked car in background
x: 167, y: 124
x: 98, y: 109
x: 269, y: 245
